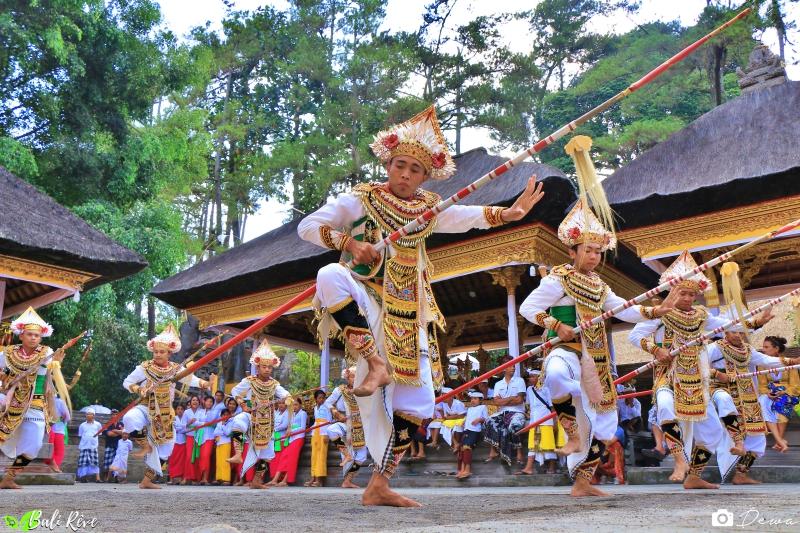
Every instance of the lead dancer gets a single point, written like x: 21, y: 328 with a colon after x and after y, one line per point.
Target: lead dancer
x: 150, y: 424
x: 384, y: 307
x: 572, y: 293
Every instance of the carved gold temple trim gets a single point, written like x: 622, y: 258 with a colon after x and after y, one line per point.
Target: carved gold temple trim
x: 717, y: 228
x: 534, y: 243
x: 14, y: 267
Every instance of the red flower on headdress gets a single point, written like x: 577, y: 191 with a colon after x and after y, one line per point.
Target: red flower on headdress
x: 703, y: 285
x: 257, y: 360
x: 574, y: 233
x: 438, y: 160
x: 390, y: 141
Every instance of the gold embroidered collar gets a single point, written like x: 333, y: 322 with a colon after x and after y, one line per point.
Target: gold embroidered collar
x: 392, y: 213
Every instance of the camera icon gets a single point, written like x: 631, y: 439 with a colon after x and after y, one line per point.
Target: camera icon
x: 722, y: 518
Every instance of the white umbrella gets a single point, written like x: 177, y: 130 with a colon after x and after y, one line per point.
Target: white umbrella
x: 463, y: 357
x: 98, y: 409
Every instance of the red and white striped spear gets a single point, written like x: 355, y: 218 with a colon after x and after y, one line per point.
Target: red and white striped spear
x: 553, y: 413
x: 611, y: 312
x: 709, y: 335
x: 480, y: 182
x: 767, y: 371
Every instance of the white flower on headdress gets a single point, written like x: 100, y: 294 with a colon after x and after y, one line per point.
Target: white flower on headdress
x: 31, y: 321
x: 683, y: 264
x: 168, y: 338
x: 581, y: 226
x: 263, y: 355
x: 347, y: 372
x: 421, y: 138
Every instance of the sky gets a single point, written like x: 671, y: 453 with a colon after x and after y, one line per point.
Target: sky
x: 405, y: 15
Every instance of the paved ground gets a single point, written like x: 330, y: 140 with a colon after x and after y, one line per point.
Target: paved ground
x: 120, y: 508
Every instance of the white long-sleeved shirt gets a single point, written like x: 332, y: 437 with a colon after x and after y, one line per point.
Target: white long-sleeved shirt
x: 323, y: 412
x: 655, y: 329
x: 281, y: 422
x: 717, y: 359
x: 336, y: 401
x: 550, y: 293
x: 455, y: 408
x: 223, y: 431
x: 178, y: 428
x: 341, y: 212
x: 299, y: 421
x: 139, y: 377
x: 243, y: 390
x: 64, y: 417
x: 189, y: 415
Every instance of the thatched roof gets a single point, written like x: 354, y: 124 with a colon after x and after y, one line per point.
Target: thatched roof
x: 280, y: 257
x: 35, y: 227
x: 731, y: 149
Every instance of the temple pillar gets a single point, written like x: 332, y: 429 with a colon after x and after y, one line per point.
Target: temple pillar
x: 325, y: 364
x: 509, y: 278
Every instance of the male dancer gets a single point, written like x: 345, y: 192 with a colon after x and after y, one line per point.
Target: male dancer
x: 385, y: 306
x: 27, y: 396
x: 684, y: 412
x: 256, y: 396
x: 736, y: 400
x: 150, y: 424
x: 347, y: 433
x: 573, y: 293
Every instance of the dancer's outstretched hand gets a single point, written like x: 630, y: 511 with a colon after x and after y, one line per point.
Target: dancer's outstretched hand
x: 525, y: 202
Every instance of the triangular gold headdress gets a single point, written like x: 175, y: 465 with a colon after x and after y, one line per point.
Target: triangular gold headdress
x: 168, y: 339
x: 683, y: 264
x: 419, y: 137
x: 31, y: 321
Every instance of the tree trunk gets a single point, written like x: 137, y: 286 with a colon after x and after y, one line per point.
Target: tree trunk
x: 151, y: 317
x: 218, y: 159
x: 719, y: 61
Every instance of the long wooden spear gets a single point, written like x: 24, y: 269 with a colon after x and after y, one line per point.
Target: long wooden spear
x: 767, y: 371
x: 611, y: 312
x: 553, y: 413
x: 477, y: 184
x: 709, y: 335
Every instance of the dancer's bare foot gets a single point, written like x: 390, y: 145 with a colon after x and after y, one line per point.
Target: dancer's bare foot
x: 348, y: 484
x: 696, y: 482
x: 8, y: 483
x: 379, y: 493
x: 780, y: 444
x: 377, y: 376
x: 54, y: 467
x: 236, y: 459
x: 144, y: 450
x: 681, y: 468
x: 282, y: 484
x: 346, y: 459
x: 257, y: 483
x: 147, y: 483
x: 582, y: 488
x: 741, y: 478
x: 738, y: 448
x: 573, y: 445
